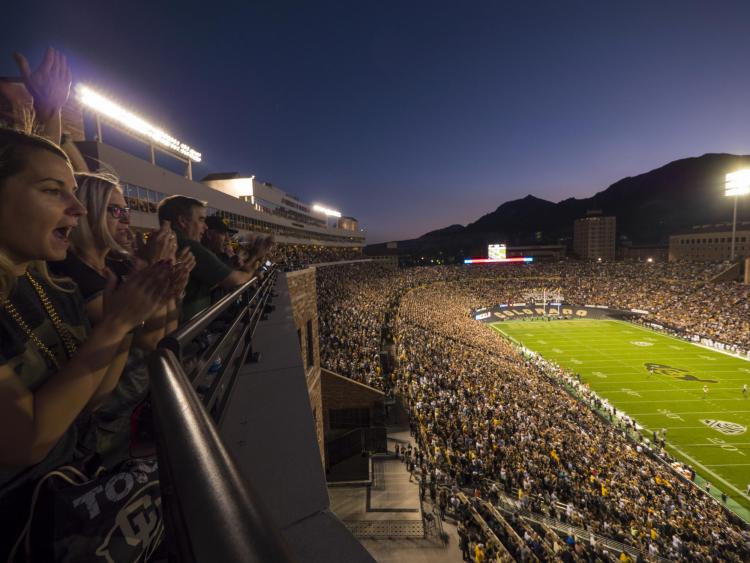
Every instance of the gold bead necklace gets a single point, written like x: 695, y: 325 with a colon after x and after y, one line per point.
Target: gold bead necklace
x: 67, y: 338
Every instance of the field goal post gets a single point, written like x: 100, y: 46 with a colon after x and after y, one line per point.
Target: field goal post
x: 546, y: 297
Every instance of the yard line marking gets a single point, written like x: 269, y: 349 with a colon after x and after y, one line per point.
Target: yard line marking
x: 677, y: 412
x: 729, y: 465
x: 714, y: 399
x: 706, y: 469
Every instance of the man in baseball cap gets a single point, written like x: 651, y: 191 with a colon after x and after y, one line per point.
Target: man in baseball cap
x: 216, y: 238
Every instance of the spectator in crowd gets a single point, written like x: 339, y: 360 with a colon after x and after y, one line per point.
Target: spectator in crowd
x: 36, y: 97
x: 216, y: 238
x: 91, y: 261
x: 53, y: 366
x: 187, y: 217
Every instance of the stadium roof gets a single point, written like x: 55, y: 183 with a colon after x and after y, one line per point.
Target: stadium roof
x: 221, y: 176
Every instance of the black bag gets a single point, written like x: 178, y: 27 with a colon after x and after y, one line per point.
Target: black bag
x: 111, y: 517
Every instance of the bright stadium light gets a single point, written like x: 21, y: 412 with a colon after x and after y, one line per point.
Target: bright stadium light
x: 328, y: 212
x: 738, y: 183
x: 111, y: 110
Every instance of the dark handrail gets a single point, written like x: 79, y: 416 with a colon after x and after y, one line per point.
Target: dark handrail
x: 202, y: 320
x: 211, y: 514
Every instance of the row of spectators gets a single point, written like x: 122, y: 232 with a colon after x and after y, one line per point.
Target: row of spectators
x: 83, y: 301
x: 298, y: 256
x: 484, y: 414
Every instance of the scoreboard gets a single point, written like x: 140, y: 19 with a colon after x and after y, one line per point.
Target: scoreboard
x: 496, y: 252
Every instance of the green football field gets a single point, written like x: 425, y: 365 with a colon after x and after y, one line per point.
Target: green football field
x: 658, y: 380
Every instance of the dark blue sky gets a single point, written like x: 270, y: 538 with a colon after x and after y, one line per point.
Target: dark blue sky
x: 415, y: 115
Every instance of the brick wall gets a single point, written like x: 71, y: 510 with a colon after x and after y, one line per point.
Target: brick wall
x: 302, y: 291
x: 343, y: 393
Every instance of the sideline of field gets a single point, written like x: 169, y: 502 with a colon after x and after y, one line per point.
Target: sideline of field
x: 611, y: 357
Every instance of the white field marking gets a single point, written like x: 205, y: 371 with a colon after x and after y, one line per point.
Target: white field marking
x: 578, y: 362
x: 557, y: 350
x: 530, y: 334
x: 729, y: 465
x: 673, y: 347
x: 712, y: 445
x: 685, y: 428
x: 670, y: 415
x: 696, y: 412
x: 542, y: 341
x: 709, y: 358
x: 713, y: 399
x: 669, y: 336
x: 679, y: 390
x: 631, y: 393
x: 599, y: 374
x: 698, y: 464
x: 746, y: 370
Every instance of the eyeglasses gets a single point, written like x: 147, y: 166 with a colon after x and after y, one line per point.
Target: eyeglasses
x: 118, y: 212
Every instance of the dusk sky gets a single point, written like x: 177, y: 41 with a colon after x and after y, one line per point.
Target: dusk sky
x: 414, y: 115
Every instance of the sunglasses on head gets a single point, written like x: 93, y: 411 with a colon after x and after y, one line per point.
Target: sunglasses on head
x: 118, y: 212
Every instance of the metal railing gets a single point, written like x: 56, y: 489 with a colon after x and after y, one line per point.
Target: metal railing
x: 225, y: 329
x: 211, y: 513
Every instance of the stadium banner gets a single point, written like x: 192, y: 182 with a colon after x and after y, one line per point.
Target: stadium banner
x: 526, y: 311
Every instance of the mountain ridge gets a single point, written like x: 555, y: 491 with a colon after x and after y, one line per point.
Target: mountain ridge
x: 649, y: 207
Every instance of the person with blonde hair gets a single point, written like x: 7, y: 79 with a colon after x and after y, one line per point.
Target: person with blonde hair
x: 91, y: 264
x: 54, y: 367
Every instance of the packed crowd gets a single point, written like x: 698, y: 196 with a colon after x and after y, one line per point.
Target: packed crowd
x: 83, y: 301
x: 484, y: 416
x: 298, y: 256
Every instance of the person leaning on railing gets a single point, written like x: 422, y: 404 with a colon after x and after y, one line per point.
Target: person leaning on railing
x: 187, y: 216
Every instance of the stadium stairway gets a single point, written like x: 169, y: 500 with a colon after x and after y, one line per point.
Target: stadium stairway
x: 731, y: 273
x: 386, y: 514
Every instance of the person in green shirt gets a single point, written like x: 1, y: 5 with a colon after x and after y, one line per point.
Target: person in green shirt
x: 187, y: 216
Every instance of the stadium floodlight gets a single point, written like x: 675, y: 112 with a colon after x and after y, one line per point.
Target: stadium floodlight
x: 738, y: 183
x: 115, y: 112
x: 327, y: 211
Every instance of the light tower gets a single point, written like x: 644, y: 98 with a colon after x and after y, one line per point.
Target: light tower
x: 738, y: 183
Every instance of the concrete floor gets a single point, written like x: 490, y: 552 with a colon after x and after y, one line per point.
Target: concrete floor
x: 392, y: 496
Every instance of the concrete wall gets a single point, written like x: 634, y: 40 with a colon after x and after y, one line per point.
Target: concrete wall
x: 303, y: 294
x: 269, y: 429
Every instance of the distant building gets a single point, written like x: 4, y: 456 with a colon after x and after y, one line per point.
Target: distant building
x: 594, y: 237
x: 348, y: 224
x: 643, y: 252
x: 710, y: 243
